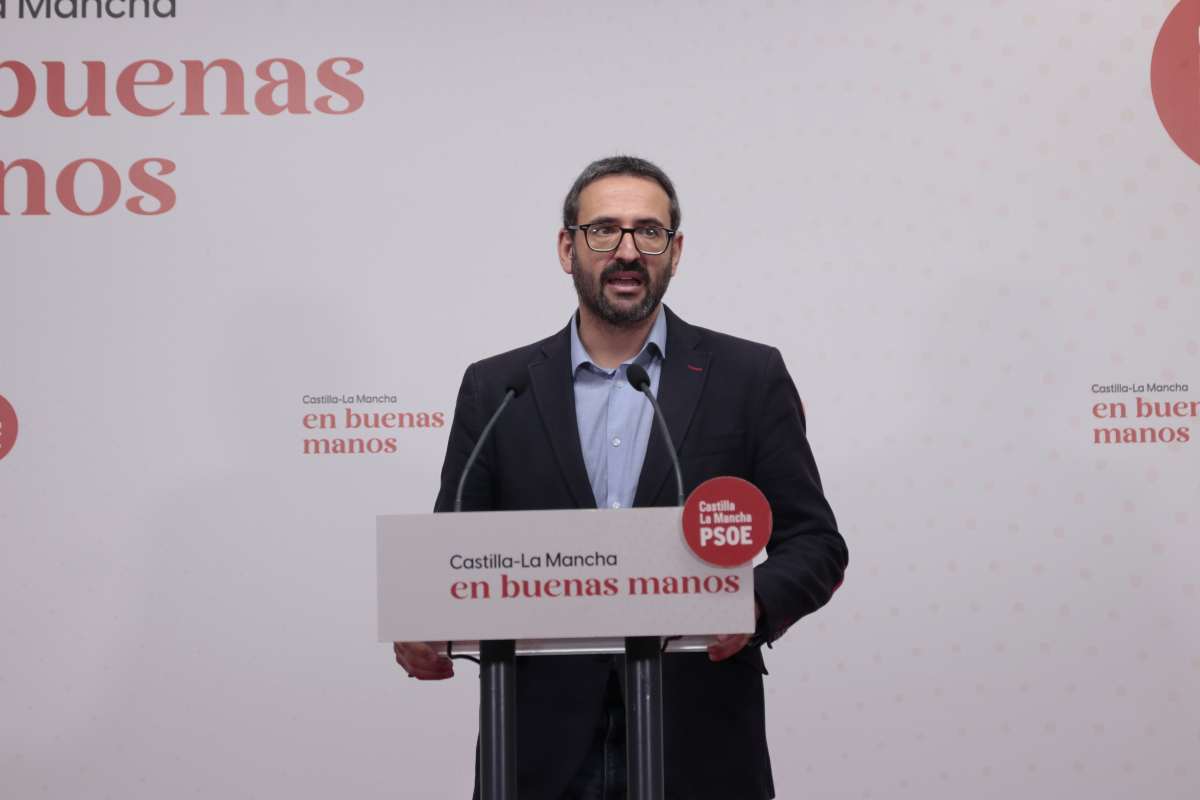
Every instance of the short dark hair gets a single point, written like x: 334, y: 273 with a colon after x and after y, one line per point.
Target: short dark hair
x: 619, y: 165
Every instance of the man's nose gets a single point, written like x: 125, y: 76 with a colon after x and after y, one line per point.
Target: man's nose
x: 626, y: 249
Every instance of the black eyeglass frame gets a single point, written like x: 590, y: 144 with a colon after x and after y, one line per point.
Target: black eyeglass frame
x: 669, y: 231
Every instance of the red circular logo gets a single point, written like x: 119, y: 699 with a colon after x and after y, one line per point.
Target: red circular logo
x: 726, y: 521
x: 1175, y: 76
x: 8, y: 426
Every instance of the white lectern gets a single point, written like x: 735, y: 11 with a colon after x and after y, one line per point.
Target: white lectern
x: 553, y: 582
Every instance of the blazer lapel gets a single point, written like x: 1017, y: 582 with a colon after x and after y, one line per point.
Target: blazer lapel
x: 680, y: 384
x: 554, y: 393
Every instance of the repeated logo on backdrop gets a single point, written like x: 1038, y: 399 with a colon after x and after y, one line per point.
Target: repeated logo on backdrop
x: 359, y: 424
x: 8, y: 427
x: 1175, y: 76
x: 144, y: 89
x: 85, y: 9
x: 1142, y: 413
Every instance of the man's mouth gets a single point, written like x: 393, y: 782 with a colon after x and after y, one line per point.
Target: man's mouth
x: 625, y: 280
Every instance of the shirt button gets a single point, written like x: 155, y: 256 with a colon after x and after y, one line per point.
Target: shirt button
x: 616, y: 441
x: 620, y: 384
x: 616, y: 503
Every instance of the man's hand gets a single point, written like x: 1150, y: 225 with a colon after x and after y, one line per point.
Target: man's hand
x: 421, y: 661
x: 728, y: 644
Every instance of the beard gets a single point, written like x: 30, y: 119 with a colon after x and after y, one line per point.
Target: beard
x: 591, y: 292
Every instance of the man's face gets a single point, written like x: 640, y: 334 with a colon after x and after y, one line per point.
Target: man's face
x: 622, y: 287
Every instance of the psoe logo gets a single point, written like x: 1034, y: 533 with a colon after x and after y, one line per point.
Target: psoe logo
x: 8, y: 426
x: 1175, y: 76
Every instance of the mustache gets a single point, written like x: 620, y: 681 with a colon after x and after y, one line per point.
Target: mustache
x: 626, y: 266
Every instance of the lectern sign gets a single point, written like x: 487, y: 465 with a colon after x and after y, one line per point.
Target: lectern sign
x: 554, y: 575
x: 727, y: 521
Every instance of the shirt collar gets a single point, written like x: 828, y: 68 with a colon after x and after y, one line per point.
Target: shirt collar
x: 656, y: 344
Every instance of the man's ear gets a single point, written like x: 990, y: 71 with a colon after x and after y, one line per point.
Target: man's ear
x: 566, y: 248
x: 676, y: 252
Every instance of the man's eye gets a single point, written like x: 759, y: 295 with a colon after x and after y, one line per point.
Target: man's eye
x: 604, y: 230
x: 650, y: 233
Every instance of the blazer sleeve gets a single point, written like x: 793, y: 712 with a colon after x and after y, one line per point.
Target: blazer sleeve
x: 465, y: 428
x: 806, y: 556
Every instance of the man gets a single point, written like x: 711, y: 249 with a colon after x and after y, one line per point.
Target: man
x: 581, y: 437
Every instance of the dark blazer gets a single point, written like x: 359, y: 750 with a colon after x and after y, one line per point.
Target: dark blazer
x: 732, y: 409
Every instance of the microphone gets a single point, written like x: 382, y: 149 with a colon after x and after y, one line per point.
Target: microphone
x: 639, y: 380
x: 516, y: 385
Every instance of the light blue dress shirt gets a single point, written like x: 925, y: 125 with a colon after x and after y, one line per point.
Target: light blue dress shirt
x: 615, y: 419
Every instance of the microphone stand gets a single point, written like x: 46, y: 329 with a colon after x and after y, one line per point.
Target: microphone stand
x: 643, y: 660
x: 497, y: 680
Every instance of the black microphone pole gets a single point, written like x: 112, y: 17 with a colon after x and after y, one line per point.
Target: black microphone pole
x: 639, y: 380
x: 509, y: 394
x: 643, y: 659
x: 497, y: 676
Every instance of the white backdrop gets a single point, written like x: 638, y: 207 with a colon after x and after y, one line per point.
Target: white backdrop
x: 955, y: 220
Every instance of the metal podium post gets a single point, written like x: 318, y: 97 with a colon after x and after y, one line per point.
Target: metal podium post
x: 643, y: 714
x: 498, y: 720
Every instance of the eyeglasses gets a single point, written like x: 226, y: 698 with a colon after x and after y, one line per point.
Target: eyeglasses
x: 604, y: 237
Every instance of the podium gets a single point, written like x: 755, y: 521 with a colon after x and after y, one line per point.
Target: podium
x: 508, y: 583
